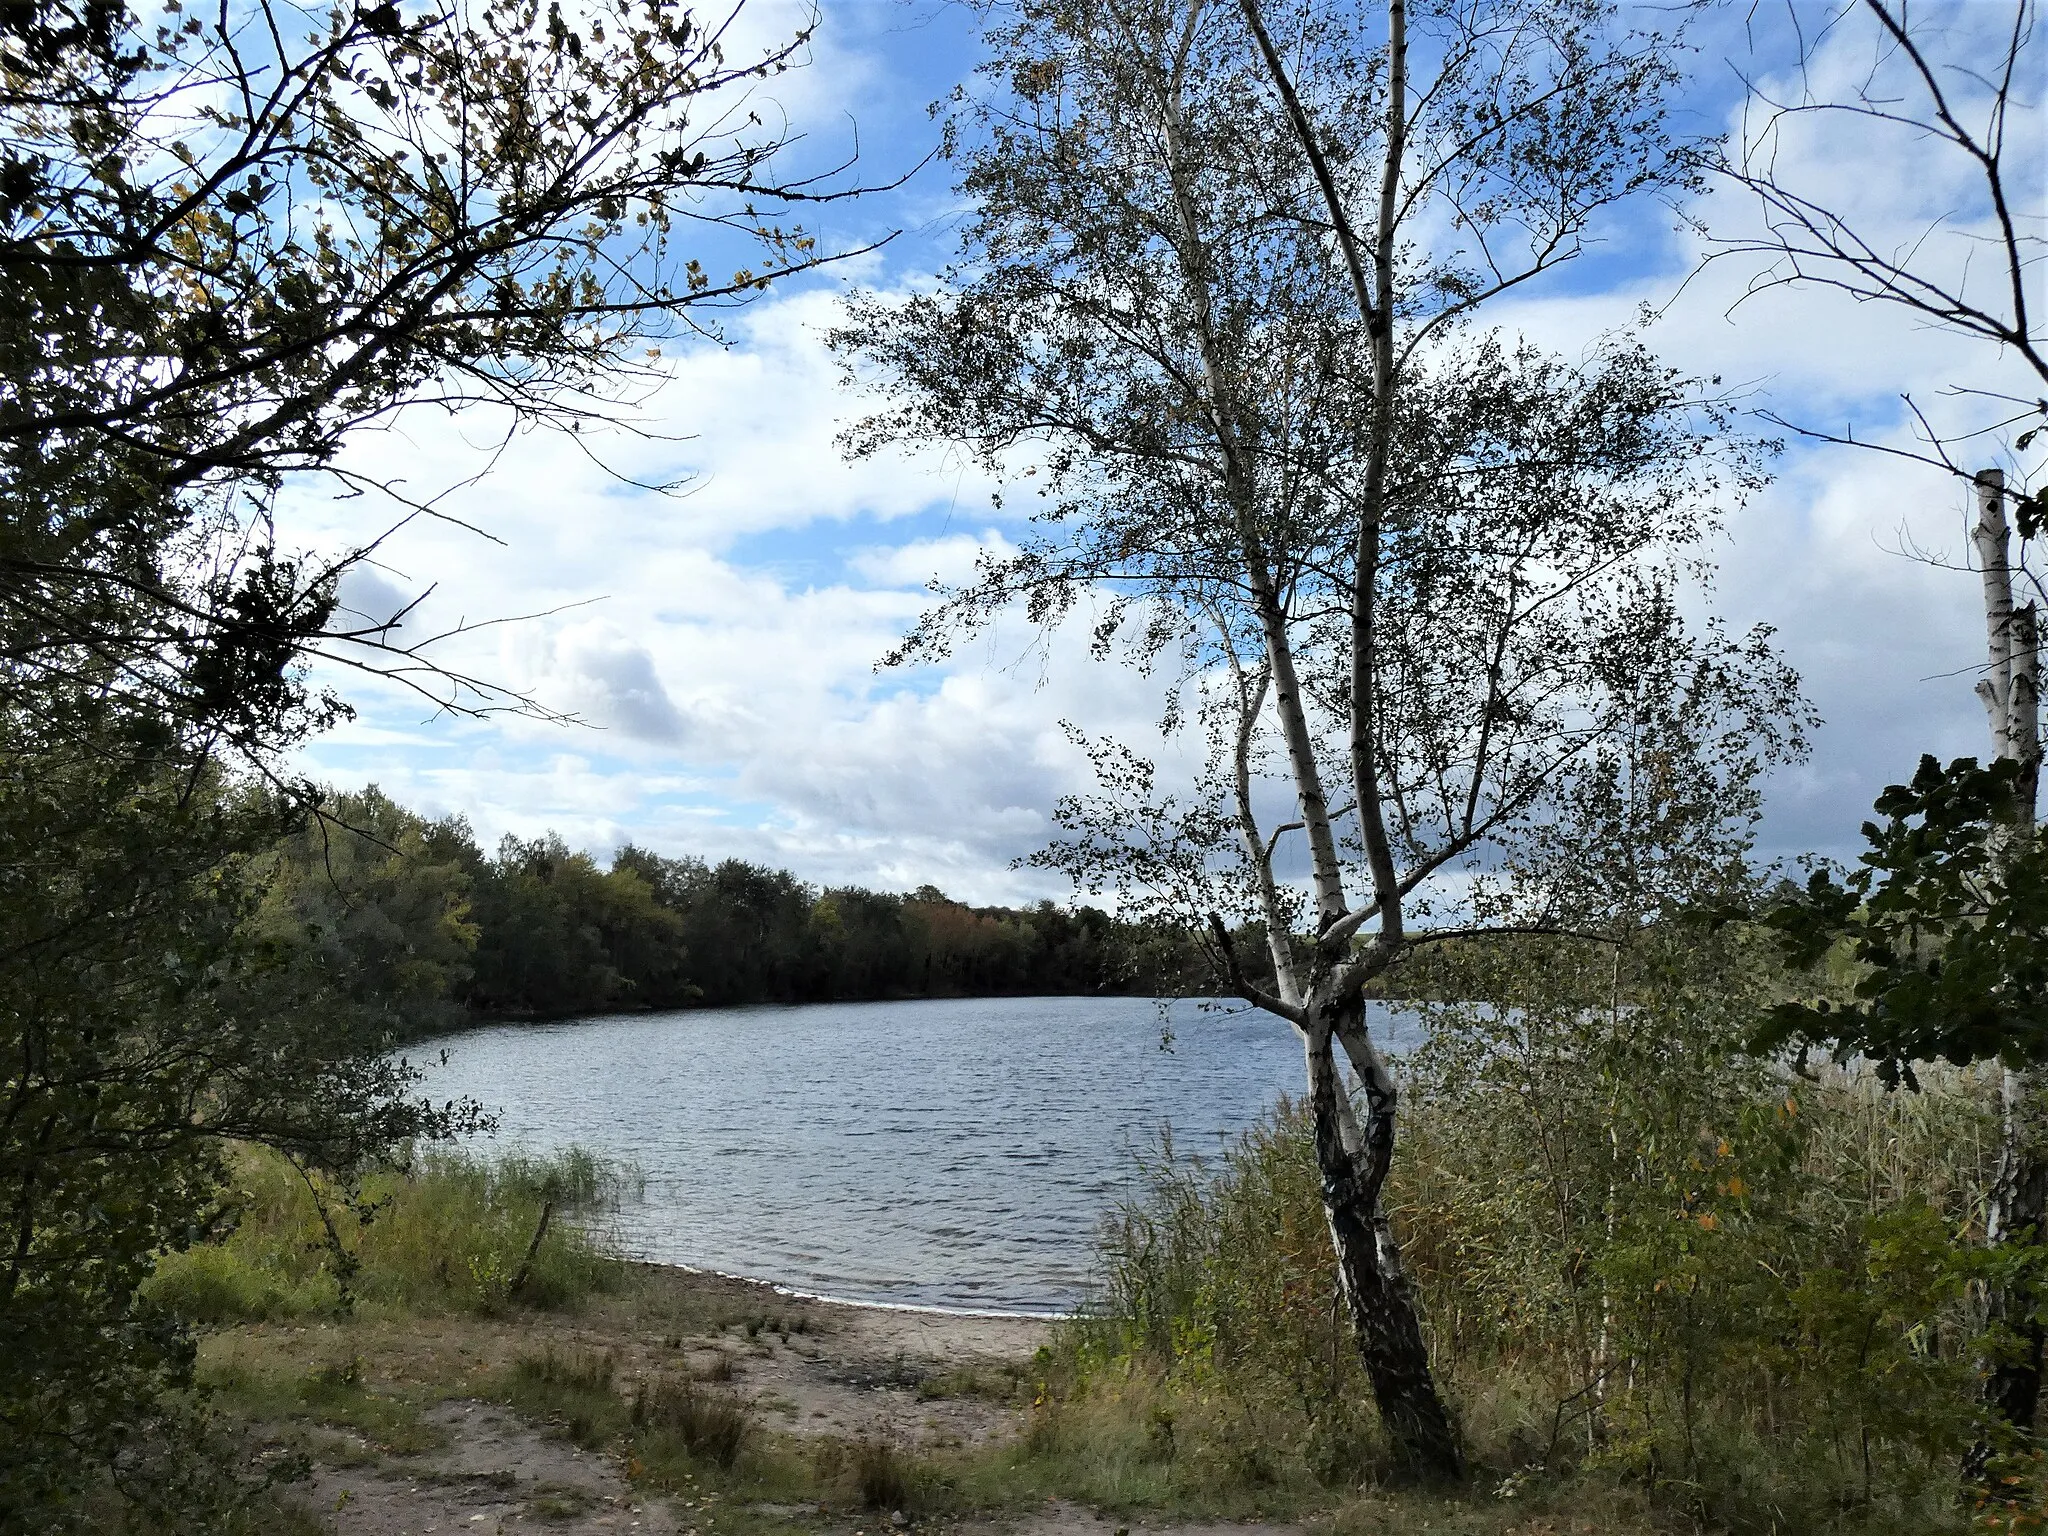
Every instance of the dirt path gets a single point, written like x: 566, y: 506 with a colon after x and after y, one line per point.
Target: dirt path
x: 924, y: 1381
x: 920, y: 1380
x: 497, y: 1474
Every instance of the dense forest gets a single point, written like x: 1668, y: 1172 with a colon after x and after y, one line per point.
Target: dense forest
x: 417, y: 924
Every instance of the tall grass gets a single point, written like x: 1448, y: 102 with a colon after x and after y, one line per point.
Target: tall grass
x: 451, y: 1232
x: 1700, y: 1283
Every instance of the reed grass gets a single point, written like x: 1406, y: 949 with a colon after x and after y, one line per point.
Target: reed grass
x: 445, y: 1232
x: 1802, y: 1362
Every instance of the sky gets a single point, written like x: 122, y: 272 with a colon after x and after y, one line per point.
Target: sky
x: 718, y: 647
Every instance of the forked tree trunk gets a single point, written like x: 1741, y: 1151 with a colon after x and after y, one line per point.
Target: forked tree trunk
x: 1353, y: 1165
x: 2011, y: 691
x: 1385, y: 1324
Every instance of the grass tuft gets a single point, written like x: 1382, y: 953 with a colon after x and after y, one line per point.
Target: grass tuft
x: 574, y: 1389
x: 714, y: 1427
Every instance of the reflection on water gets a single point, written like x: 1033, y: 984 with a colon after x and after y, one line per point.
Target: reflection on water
x: 949, y: 1154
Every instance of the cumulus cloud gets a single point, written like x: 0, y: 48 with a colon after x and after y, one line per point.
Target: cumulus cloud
x: 724, y: 656
x: 610, y: 680
x: 366, y: 599
x: 947, y: 561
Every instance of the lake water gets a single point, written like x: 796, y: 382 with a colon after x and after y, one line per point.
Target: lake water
x: 953, y: 1154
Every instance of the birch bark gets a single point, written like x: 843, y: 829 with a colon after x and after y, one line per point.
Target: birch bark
x: 2018, y: 1213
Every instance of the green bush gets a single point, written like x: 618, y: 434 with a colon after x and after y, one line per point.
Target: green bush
x: 452, y: 1232
x: 1649, y: 1264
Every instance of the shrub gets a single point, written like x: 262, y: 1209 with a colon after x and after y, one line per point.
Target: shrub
x: 449, y: 1232
x: 1645, y: 1259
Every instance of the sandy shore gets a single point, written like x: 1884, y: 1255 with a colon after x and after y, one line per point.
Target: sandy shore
x: 926, y: 1333
x: 926, y: 1381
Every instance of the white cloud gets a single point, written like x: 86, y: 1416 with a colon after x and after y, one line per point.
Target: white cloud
x: 948, y: 561
x: 727, y: 667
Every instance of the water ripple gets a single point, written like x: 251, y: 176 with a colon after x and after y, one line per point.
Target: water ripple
x: 934, y: 1154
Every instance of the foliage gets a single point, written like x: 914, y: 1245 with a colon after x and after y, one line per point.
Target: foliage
x: 449, y: 1234
x: 1646, y: 1259
x: 1945, y: 922
x: 142, y: 1024
x: 1150, y: 328
x: 382, y: 897
x: 423, y: 929
x: 228, y: 241
x: 557, y: 935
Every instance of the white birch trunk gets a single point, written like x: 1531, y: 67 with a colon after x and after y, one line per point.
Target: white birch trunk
x: 2011, y: 691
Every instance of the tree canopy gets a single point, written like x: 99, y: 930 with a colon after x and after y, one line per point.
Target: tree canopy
x: 231, y: 242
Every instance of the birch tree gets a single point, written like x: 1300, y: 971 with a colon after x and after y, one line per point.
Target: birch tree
x: 2011, y: 691
x: 1418, y: 584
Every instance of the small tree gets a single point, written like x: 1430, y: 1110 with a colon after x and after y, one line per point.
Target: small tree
x: 230, y: 241
x: 1433, y: 566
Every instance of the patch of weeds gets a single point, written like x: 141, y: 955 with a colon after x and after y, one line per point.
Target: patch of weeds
x: 1008, y: 1385
x: 559, y: 1502
x: 713, y: 1426
x: 781, y: 1324
x: 684, y: 1305
x: 574, y: 1390
x: 580, y: 1371
x: 719, y: 1368
x: 337, y: 1394
x: 452, y: 1233
x: 875, y: 1469
x: 340, y: 1450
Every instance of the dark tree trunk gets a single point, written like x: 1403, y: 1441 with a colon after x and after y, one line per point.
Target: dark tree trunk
x: 1384, y: 1320
x: 540, y: 1232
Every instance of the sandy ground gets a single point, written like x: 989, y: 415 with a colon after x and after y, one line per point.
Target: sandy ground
x: 861, y: 1374
x: 496, y: 1474
x: 921, y: 1379
x: 809, y: 1367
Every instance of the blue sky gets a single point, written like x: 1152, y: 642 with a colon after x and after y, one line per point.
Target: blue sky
x: 722, y: 643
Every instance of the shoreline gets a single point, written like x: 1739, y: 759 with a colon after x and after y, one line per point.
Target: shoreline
x: 825, y: 1299
x: 863, y: 1332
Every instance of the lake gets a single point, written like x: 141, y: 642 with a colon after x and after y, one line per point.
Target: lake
x: 952, y: 1154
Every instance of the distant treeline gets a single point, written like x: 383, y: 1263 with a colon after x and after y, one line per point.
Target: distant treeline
x: 413, y: 918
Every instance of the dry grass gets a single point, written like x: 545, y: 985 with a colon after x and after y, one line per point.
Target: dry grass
x: 713, y: 1426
